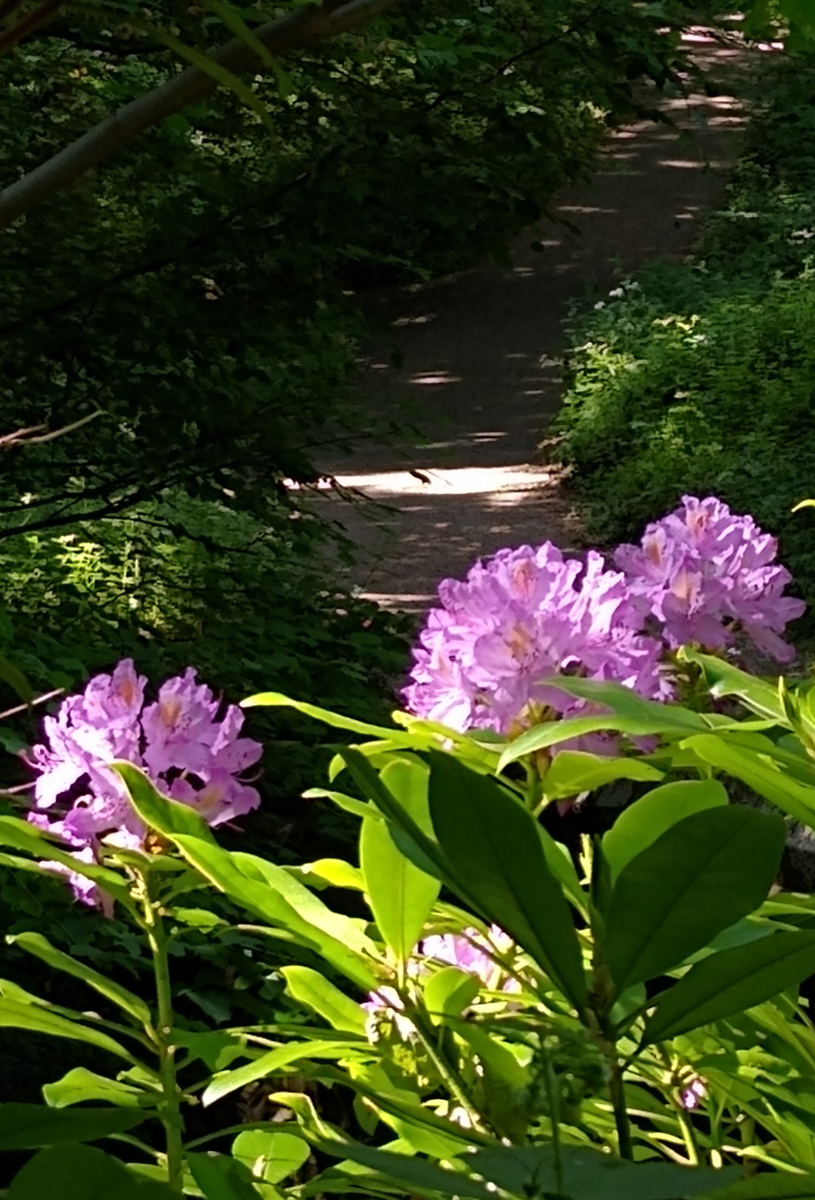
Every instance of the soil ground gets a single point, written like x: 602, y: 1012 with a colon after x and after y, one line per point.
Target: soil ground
x: 481, y: 375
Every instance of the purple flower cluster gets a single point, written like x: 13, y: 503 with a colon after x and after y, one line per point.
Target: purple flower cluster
x: 706, y: 572
x: 186, y: 741
x: 528, y: 614
x: 524, y: 616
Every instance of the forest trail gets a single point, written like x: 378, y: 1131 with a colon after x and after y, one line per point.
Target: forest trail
x: 481, y: 375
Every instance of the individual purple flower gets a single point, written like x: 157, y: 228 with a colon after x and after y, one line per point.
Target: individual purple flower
x: 522, y: 617
x: 188, y: 743
x: 704, y: 572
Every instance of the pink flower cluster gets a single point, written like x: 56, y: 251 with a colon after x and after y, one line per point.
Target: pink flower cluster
x: 186, y: 741
x: 706, y: 572
x: 522, y: 617
x: 528, y: 614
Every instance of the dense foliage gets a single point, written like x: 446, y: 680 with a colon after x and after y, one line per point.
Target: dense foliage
x: 472, y: 1007
x: 700, y: 376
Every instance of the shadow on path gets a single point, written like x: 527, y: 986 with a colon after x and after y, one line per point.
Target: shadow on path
x: 482, y: 371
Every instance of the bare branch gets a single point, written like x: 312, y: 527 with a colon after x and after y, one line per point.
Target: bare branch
x: 304, y: 27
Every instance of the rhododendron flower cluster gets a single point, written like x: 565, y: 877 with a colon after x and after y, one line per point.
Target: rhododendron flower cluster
x: 706, y: 572
x: 186, y: 741
x: 518, y: 619
x: 527, y: 615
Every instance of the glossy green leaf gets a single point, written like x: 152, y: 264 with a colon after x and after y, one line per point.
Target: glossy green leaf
x: 30, y: 1126
x: 270, y: 1156
x: 166, y: 816
x: 80, y: 1085
x: 449, y: 991
x: 335, y: 720
x: 759, y: 773
x: 83, y: 1173
x: 730, y: 981
x: 648, y: 818
x: 310, y: 988
x: 331, y: 872
x: 40, y: 947
x: 700, y: 876
x: 400, y: 894
x: 16, y: 679
x: 630, y: 714
x: 573, y: 771
x: 723, y: 679
x: 273, y: 1063
x: 16, y: 1014
x: 500, y: 868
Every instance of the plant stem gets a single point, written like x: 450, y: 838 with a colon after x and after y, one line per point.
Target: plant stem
x: 171, y: 1103
x: 616, y: 1089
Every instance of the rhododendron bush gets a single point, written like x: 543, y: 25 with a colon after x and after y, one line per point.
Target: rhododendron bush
x: 481, y: 986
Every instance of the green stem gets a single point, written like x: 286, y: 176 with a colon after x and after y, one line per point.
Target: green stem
x: 689, y: 1137
x: 616, y: 1088
x: 553, y: 1098
x: 171, y: 1096
x: 449, y: 1074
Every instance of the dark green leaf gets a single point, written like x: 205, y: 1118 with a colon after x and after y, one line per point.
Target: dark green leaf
x: 493, y: 845
x: 83, y: 1173
x: 731, y: 981
x: 40, y: 947
x: 700, y: 876
x: 647, y: 819
x: 29, y: 1126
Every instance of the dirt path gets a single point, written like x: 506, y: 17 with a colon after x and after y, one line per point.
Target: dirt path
x: 482, y: 349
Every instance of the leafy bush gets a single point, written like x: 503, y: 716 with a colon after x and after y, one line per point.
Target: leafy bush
x: 700, y: 377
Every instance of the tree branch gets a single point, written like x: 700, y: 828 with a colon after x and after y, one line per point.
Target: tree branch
x: 303, y: 27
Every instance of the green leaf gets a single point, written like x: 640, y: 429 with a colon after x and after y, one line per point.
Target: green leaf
x: 21, y: 835
x: 40, y: 947
x: 17, y: 1014
x: 210, y: 66
x: 335, y: 720
x: 726, y: 754
x: 168, y: 817
x: 312, y: 989
x: 448, y: 992
x: 220, y: 1177
x: 700, y: 876
x: 259, y: 886
x: 500, y: 868
x: 590, y: 1174
x: 30, y: 1126
x: 730, y: 982
x: 573, y: 771
x: 16, y: 680
x: 331, y: 872
x: 273, y: 1063
x: 81, y: 1085
x: 723, y: 679
x: 270, y: 1156
x: 648, y: 818
x: 779, y: 1185
x: 233, y: 20
x: 83, y: 1173
x: 400, y: 894
x: 408, y: 1171
x: 631, y: 714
